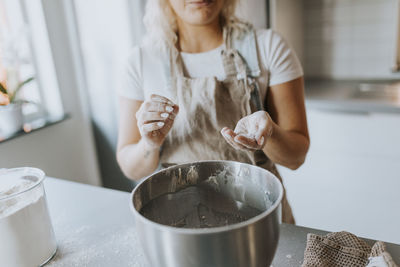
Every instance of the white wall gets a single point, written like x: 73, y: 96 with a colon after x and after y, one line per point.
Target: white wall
x: 350, y: 38
x: 287, y: 19
x: 254, y: 11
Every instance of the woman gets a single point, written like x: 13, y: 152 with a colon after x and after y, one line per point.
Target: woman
x: 206, y: 86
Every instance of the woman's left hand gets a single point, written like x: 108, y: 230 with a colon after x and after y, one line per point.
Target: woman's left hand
x: 251, y: 132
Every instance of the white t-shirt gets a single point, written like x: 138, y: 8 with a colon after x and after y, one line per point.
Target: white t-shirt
x: 144, y: 73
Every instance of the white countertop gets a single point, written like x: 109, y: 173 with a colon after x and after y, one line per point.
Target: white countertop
x: 94, y: 227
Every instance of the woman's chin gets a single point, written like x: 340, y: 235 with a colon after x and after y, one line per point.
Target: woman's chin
x: 201, y: 18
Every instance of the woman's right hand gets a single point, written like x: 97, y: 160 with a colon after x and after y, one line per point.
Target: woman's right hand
x: 155, y: 118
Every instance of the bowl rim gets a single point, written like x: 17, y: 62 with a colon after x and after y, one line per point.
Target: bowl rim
x: 24, y: 170
x: 205, y: 231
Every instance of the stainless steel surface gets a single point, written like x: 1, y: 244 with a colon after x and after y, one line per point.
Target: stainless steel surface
x: 49, y: 259
x: 353, y: 96
x: 199, y: 206
x: 251, y: 243
x: 389, y: 92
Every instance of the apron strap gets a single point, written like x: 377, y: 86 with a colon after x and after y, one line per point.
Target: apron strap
x: 245, y: 65
x: 247, y: 47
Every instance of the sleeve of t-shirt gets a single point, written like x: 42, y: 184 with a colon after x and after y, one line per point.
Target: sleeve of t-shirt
x: 279, y: 58
x: 132, y: 82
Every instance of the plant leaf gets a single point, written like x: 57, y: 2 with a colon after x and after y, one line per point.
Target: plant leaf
x: 20, y: 85
x: 3, y: 89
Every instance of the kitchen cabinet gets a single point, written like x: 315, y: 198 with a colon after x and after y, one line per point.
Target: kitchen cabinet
x: 350, y: 180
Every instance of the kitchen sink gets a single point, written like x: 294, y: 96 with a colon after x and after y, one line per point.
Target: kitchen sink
x: 378, y: 91
x: 354, y: 95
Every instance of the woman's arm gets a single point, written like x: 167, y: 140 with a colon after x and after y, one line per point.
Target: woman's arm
x: 143, y: 127
x: 289, y: 141
x: 281, y: 132
x: 135, y: 157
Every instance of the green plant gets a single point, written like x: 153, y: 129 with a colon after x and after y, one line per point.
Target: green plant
x: 12, y: 95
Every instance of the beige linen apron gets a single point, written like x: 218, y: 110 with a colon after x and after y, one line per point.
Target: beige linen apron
x: 206, y: 105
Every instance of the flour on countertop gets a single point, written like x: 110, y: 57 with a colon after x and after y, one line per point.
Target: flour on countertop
x: 113, y: 247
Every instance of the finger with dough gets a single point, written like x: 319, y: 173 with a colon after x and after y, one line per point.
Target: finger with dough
x: 229, y: 136
x: 148, y: 117
x: 154, y: 126
x: 247, y: 142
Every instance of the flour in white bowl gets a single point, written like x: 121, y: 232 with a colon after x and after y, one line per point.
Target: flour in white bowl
x: 26, y: 234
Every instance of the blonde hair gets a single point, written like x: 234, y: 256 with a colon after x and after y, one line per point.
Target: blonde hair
x: 161, y: 26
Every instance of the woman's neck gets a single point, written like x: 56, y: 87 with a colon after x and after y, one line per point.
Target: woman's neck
x: 199, y: 38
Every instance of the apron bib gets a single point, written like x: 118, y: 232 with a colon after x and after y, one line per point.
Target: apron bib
x: 206, y: 105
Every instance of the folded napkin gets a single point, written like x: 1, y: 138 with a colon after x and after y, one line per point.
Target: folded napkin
x: 344, y: 249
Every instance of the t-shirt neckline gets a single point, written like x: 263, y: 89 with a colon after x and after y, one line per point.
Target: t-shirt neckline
x: 219, y: 48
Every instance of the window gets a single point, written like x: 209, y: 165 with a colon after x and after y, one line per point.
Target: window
x: 24, y: 53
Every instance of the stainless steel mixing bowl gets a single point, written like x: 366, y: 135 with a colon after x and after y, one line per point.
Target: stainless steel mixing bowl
x: 251, y: 243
